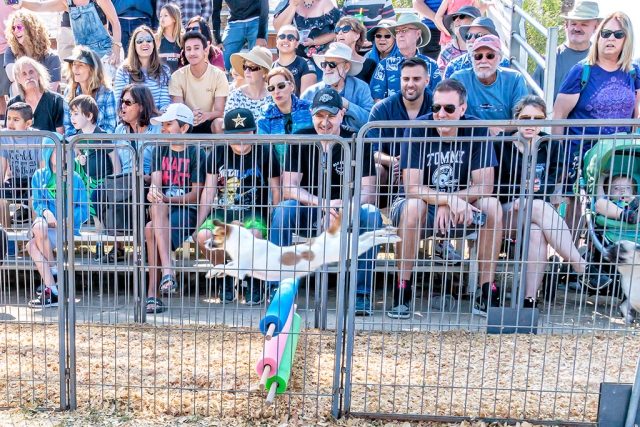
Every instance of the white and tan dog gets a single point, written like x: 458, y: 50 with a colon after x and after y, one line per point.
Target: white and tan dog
x: 265, y: 261
x: 626, y: 256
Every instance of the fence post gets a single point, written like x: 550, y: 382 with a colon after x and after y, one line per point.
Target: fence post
x: 69, y: 300
x: 550, y: 68
x: 515, y: 51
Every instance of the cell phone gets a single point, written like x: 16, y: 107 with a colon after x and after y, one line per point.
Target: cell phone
x: 478, y: 219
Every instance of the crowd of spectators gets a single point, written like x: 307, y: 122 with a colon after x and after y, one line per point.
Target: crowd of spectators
x: 334, y: 71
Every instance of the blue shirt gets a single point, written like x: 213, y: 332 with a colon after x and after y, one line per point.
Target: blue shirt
x: 497, y: 100
x: 159, y: 88
x: 126, y: 159
x: 107, y: 112
x: 433, y: 5
x: 386, y: 79
x: 463, y: 62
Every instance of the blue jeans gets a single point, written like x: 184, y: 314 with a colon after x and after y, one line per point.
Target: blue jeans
x: 236, y: 35
x: 88, y: 29
x: 128, y: 26
x: 290, y: 216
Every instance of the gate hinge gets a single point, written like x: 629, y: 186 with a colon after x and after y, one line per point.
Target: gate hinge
x: 341, y: 390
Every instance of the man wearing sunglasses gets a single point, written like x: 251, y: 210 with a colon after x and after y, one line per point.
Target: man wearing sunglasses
x: 480, y: 27
x: 580, y: 25
x: 410, y: 34
x: 493, y: 91
x: 449, y: 185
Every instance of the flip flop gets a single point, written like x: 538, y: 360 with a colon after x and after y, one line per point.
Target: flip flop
x: 159, y: 306
x: 168, y: 284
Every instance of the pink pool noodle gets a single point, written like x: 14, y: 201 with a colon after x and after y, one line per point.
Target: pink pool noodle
x: 273, y: 349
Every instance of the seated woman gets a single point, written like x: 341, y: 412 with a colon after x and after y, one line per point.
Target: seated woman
x: 28, y: 36
x: 214, y: 55
x: 302, y: 69
x: 143, y: 65
x: 351, y: 32
x: 620, y: 201
x: 383, y: 41
x: 547, y: 226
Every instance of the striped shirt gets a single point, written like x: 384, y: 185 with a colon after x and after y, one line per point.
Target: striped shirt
x: 372, y: 10
x: 159, y: 88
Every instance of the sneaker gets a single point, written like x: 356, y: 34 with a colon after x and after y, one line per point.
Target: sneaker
x: 228, y: 290
x: 594, y: 279
x: 490, y: 297
x: 401, y: 311
x: 46, y: 299
x: 21, y: 215
x: 530, y: 302
x: 445, y: 252
x: 41, y: 285
x: 255, y: 292
x: 363, y: 305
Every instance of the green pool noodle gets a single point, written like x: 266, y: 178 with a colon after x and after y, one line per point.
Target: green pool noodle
x: 286, y: 362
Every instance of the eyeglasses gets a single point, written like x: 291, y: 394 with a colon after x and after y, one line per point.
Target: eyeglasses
x: 344, y: 29
x: 280, y: 86
x: 18, y: 27
x: 524, y: 117
x: 386, y: 36
x: 194, y: 28
x: 620, y: 34
x: 470, y: 36
x: 330, y: 64
x: 404, y: 30
x: 289, y: 37
x: 147, y: 39
x: 478, y: 56
x: 448, y: 108
x: 252, y: 68
x: 127, y: 102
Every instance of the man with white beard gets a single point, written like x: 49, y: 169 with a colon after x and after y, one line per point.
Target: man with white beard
x: 339, y: 71
x: 493, y: 91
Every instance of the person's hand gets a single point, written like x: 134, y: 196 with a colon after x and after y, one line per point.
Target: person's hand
x: 515, y: 206
x: 82, y: 159
x: 307, y: 41
x: 536, y: 185
x: 155, y: 195
x: 114, y: 59
x: 395, y: 170
x: 443, y: 219
x: 261, y: 42
x: 220, y: 46
x: 493, y: 131
x: 198, y: 117
x: 461, y: 211
x: 345, y: 103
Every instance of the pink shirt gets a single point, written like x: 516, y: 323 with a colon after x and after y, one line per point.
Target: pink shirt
x: 5, y: 11
x: 453, y: 7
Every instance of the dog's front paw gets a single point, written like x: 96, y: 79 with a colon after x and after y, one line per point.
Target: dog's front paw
x: 217, y: 271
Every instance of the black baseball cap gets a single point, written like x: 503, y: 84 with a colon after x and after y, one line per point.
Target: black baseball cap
x: 327, y: 99
x: 239, y: 120
x: 84, y: 56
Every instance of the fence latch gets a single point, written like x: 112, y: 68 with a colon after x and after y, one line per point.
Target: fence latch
x: 67, y: 373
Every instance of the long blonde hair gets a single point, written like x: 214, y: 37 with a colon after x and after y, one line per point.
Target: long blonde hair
x: 625, y: 61
x: 96, y: 80
x: 36, y: 42
x: 176, y: 15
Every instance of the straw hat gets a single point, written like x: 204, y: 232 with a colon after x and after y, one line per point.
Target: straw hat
x: 584, y: 11
x: 342, y: 51
x: 412, y: 18
x: 258, y: 55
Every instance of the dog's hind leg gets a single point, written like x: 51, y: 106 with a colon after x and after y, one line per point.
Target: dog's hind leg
x: 625, y: 310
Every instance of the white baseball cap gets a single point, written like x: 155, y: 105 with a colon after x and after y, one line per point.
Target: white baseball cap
x: 175, y: 112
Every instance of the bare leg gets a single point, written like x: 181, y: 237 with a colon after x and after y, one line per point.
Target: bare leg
x: 216, y: 126
x: 412, y: 219
x: 489, y: 238
x: 536, y: 262
x: 41, y: 252
x: 162, y: 233
x: 152, y: 255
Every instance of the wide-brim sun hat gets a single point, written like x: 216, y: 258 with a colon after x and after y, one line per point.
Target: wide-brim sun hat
x: 258, y: 55
x: 340, y: 51
x: 584, y: 11
x: 484, y: 22
x: 412, y: 19
x: 384, y: 23
x: 470, y: 11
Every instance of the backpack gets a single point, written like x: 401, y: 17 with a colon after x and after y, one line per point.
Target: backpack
x: 117, y: 207
x: 586, y: 73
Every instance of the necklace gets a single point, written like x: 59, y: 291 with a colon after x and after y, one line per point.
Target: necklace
x: 308, y: 5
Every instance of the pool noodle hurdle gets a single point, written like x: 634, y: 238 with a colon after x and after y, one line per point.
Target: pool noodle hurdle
x: 277, y: 314
x: 271, y: 356
x: 280, y: 381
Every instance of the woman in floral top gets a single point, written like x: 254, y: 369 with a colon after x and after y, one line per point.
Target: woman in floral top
x: 316, y: 21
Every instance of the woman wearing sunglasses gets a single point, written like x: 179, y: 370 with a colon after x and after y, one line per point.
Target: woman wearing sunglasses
x: 254, y: 66
x: 547, y: 226
x: 143, y: 65
x: 458, y: 45
x: 383, y: 41
x: 351, y: 32
x: 28, y: 36
x: 287, y: 114
x: 214, y: 56
x: 302, y: 69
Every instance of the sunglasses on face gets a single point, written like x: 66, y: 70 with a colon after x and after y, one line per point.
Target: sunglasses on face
x: 605, y: 34
x: 470, y: 36
x: 127, y: 102
x: 344, y: 29
x: 194, y: 28
x: 330, y: 64
x: 289, y: 37
x: 280, y: 86
x: 18, y: 27
x: 448, y: 108
x: 147, y: 39
x: 252, y: 68
x: 404, y: 30
x: 386, y: 36
x: 478, y: 56
x: 524, y: 117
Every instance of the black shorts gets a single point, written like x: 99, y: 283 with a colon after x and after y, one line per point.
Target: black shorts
x: 16, y: 189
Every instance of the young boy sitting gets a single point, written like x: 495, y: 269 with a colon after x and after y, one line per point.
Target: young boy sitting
x: 620, y: 202
x: 92, y: 164
x: 18, y: 164
x: 43, y: 232
x: 177, y: 175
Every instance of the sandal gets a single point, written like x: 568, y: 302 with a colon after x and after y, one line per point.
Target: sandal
x: 116, y: 255
x: 158, y: 306
x: 168, y: 284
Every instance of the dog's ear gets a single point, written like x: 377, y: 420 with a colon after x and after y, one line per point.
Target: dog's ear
x: 218, y: 223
